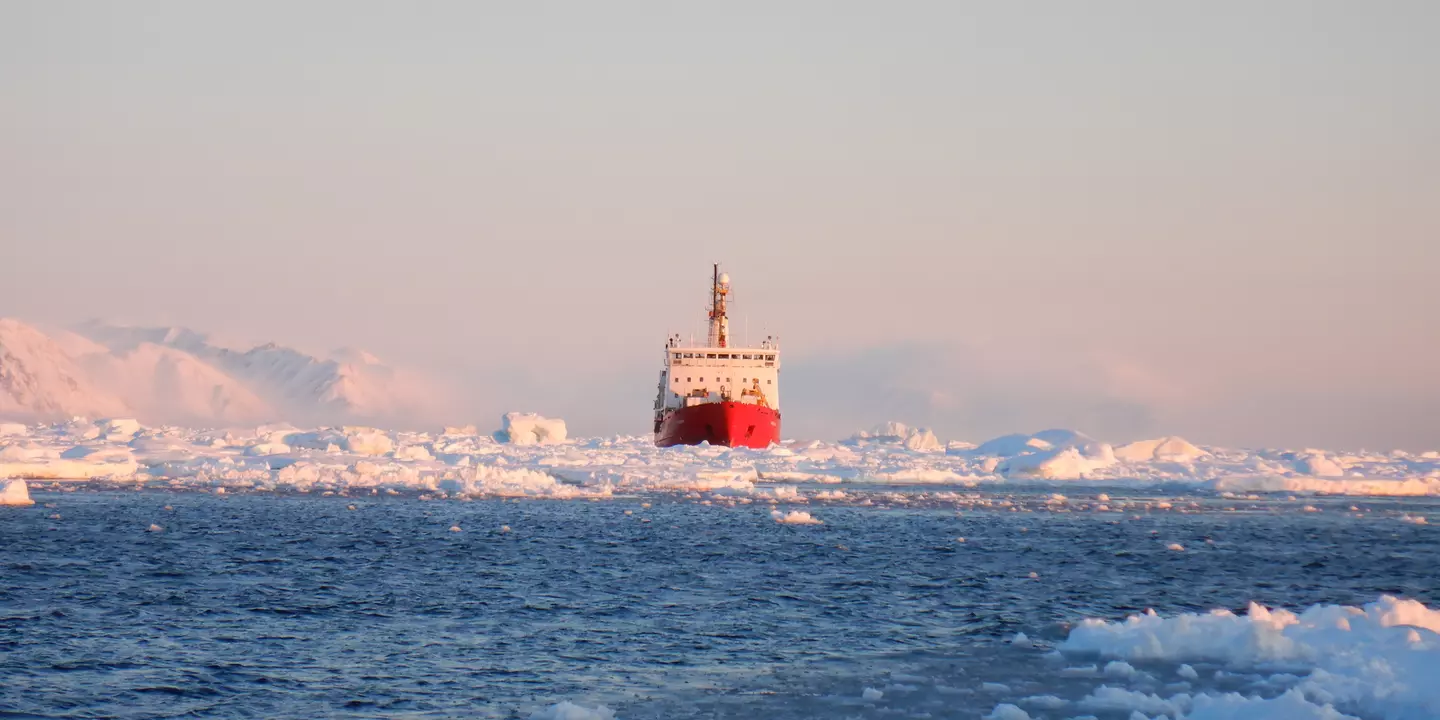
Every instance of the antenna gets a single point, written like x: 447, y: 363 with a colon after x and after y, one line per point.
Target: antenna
x: 719, y: 321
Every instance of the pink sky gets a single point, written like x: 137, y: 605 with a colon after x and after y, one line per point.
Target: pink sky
x: 1129, y: 218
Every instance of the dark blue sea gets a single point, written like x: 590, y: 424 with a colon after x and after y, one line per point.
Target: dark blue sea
x: 268, y: 606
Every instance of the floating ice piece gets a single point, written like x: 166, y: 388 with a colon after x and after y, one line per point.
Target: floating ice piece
x: 1006, y: 711
x: 1106, y: 698
x: 367, y: 441
x: 1177, y: 547
x: 871, y: 694
x: 896, y: 433
x: 567, y: 710
x: 1382, y: 659
x: 1070, y: 463
x: 1008, y: 445
x: 1045, y: 702
x: 530, y: 429
x: 796, y: 517
x: 1119, y: 669
x: 76, y: 463
x: 117, y: 428
x: 1292, y: 705
x: 15, y: 493
x: 1266, y: 483
x: 267, y: 448
x: 1315, y: 463
x: 1166, y: 449
x: 154, y: 528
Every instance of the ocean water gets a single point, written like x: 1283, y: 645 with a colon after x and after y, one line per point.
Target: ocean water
x: 271, y: 606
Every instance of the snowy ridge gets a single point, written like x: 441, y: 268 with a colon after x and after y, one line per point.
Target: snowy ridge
x: 463, y: 461
x: 38, y: 378
x: 178, y: 376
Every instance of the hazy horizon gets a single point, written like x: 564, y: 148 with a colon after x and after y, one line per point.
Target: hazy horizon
x: 1129, y: 219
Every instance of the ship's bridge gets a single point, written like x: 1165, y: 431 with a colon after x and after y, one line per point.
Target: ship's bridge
x: 696, y: 375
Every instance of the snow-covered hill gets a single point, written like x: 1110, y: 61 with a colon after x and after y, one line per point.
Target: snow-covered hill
x: 39, y: 379
x: 179, y: 376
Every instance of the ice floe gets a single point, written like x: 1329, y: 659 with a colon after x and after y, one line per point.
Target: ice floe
x: 796, y: 517
x: 15, y: 492
x: 530, y: 429
x: 570, y: 711
x: 1380, y: 660
x: 532, y: 456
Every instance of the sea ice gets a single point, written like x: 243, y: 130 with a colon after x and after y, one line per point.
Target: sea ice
x: 530, y: 429
x: 1382, y: 659
x: 367, y: 441
x: 1068, y: 463
x: 1166, y: 449
x: 283, y: 457
x: 567, y: 710
x: 1006, y: 711
x: 795, y: 517
x: 14, y: 492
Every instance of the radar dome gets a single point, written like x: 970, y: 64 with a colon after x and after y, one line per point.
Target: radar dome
x: 724, y: 278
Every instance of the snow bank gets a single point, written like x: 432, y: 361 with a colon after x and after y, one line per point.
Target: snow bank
x: 530, y: 429
x: 14, y: 492
x: 1381, y: 660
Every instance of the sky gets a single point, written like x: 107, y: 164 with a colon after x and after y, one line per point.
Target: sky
x: 1218, y: 220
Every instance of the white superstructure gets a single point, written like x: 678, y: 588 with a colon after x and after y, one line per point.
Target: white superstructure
x: 695, y: 375
x: 718, y: 372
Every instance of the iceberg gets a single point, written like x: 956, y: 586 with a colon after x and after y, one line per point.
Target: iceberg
x: 15, y: 493
x: 530, y: 429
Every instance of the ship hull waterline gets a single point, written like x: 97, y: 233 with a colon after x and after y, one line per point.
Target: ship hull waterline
x: 728, y: 423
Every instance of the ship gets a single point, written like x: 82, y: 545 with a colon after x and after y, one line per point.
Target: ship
x: 717, y: 393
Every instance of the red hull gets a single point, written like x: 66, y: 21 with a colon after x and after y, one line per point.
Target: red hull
x: 723, y: 423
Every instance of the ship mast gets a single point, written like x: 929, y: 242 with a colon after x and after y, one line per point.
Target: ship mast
x: 719, y: 321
